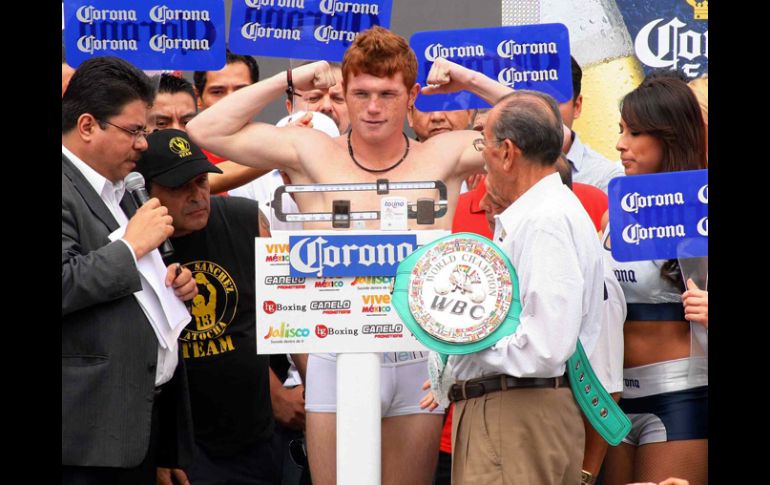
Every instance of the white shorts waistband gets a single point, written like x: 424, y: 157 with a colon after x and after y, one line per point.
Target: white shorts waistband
x: 669, y: 376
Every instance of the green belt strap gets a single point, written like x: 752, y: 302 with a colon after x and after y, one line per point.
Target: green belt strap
x: 597, y: 405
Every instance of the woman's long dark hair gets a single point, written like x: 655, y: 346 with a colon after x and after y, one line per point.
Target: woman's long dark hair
x: 665, y: 108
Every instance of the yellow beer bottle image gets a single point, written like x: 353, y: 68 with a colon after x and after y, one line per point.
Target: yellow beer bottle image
x: 601, y: 44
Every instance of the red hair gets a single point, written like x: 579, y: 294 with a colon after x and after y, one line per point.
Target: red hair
x: 379, y: 52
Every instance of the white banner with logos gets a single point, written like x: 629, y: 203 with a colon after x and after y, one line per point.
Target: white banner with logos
x: 337, y: 314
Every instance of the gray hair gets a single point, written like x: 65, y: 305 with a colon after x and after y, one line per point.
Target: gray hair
x: 524, y: 119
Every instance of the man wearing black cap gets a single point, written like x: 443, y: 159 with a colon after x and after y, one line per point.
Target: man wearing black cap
x: 229, y: 387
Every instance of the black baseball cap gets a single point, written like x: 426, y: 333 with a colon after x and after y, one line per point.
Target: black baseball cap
x: 171, y: 159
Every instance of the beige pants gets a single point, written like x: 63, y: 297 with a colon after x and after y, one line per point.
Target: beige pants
x: 518, y: 437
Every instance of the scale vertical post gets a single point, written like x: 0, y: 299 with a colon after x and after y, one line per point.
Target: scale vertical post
x: 358, y: 419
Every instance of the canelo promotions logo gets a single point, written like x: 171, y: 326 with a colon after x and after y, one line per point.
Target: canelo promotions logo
x: 460, y: 291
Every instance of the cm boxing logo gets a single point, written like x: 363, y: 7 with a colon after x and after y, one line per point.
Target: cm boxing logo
x: 213, y: 309
x: 352, y: 255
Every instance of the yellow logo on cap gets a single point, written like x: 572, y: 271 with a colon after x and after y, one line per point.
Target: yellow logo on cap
x: 700, y: 9
x: 180, y: 146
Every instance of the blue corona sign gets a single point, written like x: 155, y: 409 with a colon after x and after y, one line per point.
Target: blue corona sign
x: 353, y: 255
x: 303, y: 29
x: 169, y: 34
x: 523, y: 57
x: 659, y: 216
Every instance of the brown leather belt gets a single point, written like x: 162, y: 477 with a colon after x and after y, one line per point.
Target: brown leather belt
x: 483, y: 385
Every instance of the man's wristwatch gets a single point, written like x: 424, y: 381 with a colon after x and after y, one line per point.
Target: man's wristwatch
x: 587, y: 478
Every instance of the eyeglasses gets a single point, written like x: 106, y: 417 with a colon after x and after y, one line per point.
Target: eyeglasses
x: 137, y: 133
x: 479, y: 144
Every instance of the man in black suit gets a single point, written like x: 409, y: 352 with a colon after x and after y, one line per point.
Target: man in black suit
x: 125, y: 405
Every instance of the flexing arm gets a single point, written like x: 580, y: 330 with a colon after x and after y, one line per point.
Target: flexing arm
x: 447, y: 77
x: 225, y: 127
x: 233, y: 175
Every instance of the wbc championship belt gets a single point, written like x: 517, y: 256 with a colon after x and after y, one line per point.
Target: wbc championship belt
x: 460, y: 294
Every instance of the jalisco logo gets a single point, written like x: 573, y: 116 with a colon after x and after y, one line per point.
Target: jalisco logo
x: 322, y: 331
x: 254, y: 31
x: 179, y: 146
x: 213, y: 309
x: 372, y: 280
x: 434, y: 51
x: 325, y: 33
x: 634, y: 201
x: 703, y: 226
x: 635, y: 233
x: 161, y: 13
x: 89, y: 14
x: 672, y: 45
x: 331, y: 7
x: 285, y: 331
x: 510, y: 76
x: 90, y: 44
x: 509, y: 48
x: 286, y: 282
x: 320, y: 255
x: 162, y: 43
x: 258, y: 4
x: 703, y: 194
x: 376, y: 303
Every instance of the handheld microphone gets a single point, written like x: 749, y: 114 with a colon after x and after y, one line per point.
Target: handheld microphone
x: 135, y: 186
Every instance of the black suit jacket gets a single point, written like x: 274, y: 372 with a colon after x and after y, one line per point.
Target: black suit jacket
x: 109, y: 350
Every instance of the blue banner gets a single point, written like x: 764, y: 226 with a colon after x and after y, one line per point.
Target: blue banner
x: 659, y: 216
x: 669, y: 34
x: 522, y: 57
x: 303, y: 29
x: 160, y: 34
x: 353, y: 255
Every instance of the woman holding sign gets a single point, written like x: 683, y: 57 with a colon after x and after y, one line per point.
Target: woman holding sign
x: 665, y: 386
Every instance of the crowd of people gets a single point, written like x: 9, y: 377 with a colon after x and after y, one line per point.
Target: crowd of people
x: 206, y: 408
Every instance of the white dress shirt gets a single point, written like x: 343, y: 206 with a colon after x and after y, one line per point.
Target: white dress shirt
x: 553, y: 247
x: 111, y: 194
x: 589, y: 167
